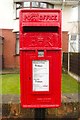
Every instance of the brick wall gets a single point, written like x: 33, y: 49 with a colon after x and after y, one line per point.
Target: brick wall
x: 65, y: 41
x: 67, y: 111
x: 9, y: 57
x: 1, y: 55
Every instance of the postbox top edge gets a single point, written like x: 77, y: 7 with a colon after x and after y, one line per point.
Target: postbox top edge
x: 40, y: 10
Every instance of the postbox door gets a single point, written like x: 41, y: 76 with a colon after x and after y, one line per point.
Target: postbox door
x: 41, y: 88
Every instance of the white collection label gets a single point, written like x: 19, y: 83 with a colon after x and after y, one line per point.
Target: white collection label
x: 40, y: 75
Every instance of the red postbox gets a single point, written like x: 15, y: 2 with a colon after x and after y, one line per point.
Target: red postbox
x: 40, y: 58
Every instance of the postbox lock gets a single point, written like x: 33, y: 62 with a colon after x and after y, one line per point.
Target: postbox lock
x: 29, y: 78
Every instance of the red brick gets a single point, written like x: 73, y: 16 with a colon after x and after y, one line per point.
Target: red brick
x: 9, y: 44
x: 65, y: 41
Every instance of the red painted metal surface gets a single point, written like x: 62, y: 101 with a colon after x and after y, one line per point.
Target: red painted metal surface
x: 40, y: 58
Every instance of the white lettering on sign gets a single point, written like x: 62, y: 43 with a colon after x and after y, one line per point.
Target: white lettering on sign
x: 40, y: 75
